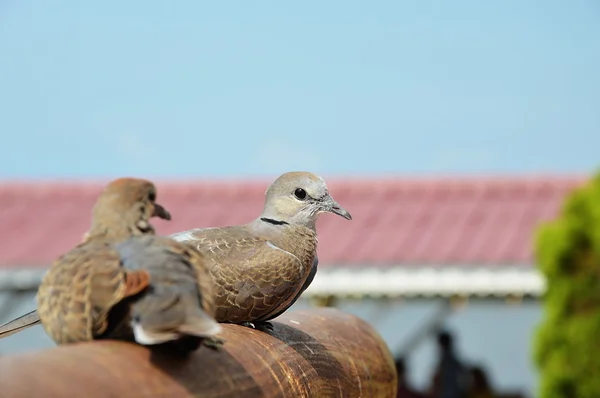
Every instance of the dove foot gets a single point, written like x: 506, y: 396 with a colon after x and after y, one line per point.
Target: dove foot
x: 214, y: 343
x: 266, y: 327
x: 263, y: 326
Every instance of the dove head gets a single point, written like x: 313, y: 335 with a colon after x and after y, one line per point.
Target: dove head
x: 124, y: 208
x: 298, y: 198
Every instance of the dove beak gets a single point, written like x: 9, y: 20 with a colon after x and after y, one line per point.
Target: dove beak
x: 161, y: 212
x: 335, y: 208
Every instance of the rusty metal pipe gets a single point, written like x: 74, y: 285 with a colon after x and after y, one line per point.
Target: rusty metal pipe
x: 311, y: 353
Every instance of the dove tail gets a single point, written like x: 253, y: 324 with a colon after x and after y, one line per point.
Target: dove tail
x: 145, y: 336
x: 199, y: 325
x: 152, y: 324
x: 21, y: 323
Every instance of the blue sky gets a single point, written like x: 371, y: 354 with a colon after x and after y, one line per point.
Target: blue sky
x: 238, y: 88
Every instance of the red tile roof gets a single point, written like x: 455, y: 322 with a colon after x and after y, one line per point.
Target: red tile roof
x: 483, y: 221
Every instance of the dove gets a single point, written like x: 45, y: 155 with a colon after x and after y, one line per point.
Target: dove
x: 261, y: 268
x: 124, y: 282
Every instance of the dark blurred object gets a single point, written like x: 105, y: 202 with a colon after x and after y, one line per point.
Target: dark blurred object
x: 404, y: 390
x: 450, y: 378
x: 311, y: 353
x: 479, y: 386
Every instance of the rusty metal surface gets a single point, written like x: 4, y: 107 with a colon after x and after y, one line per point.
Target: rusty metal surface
x: 311, y: 353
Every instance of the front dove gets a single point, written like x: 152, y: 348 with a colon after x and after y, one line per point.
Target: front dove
x: 261, y: 268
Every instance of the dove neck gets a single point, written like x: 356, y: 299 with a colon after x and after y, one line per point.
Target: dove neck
x: 294, y: 238
x: 113, y: 234
x: 276, y: 221
x: 273, y: 227
x: 273, y: 221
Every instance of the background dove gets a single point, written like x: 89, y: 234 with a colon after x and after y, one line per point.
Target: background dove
x: 261, y: 268
x: 123, y: 282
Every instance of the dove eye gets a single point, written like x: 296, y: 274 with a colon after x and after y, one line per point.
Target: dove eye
x: 152, y: 196
x: 300, y: 193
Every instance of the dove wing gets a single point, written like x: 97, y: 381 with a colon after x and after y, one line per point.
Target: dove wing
x: 81, y: 289
x: 181, y: 298
x: 254, y: 278
x: 198, y: 262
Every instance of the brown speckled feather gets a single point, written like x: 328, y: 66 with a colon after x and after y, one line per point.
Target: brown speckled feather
x: 81, y: 288
x: 256, y: 276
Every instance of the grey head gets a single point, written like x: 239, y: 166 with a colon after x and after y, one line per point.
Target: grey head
x: 298, y: 198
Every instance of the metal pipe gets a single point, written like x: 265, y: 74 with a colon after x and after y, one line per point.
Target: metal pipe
x: 311, y: 353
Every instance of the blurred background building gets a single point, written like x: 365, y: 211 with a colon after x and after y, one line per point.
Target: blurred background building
x: 419, y: 255
x: 448, y: 129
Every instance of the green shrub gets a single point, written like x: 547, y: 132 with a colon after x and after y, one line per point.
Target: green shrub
x: 567, y: 342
